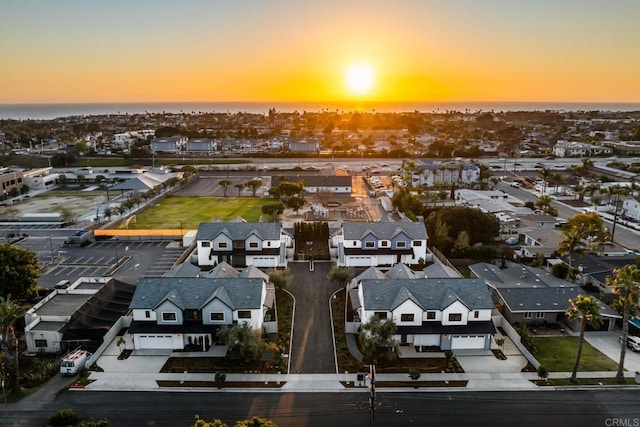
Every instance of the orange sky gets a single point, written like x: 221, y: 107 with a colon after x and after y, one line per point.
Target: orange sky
x: 494, y: 50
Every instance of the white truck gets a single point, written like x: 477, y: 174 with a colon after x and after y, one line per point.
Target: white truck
x: 74, y: 361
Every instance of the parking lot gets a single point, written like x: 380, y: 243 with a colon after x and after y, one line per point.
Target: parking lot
x: 143, y: 258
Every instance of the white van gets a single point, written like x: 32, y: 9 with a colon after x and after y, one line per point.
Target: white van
x: 633, y: 343
x: 74, y: 361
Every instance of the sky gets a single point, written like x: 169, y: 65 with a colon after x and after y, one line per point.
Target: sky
x: 68, y: 51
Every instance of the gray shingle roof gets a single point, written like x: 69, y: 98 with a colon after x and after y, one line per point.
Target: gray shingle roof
x: 384, y: 230
x: 186, y: 269
x: 400, y: 271
x: 239, y: 231
x: 222, y: 271
x: 194, y: 293
x: 429, y: 294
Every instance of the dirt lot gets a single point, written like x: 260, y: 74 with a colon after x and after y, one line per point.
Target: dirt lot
x: 77, y: 201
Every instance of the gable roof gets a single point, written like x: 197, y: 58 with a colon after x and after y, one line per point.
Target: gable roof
x: 429, y: 294
x: 384, y: 230
x: 254, y: 272
x: 400, y: 271
x: 239, y: 230
x: 223, y: 270
x: 186, y: 269
x: 194, y: 293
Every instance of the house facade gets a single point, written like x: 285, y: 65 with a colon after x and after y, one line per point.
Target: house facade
x: 170, y: 144
x: 366, y: 244
x: 431, y: 171
x: 580, y: 149
x: 172, y: 312
x: 260, y: 244
x: 631, y: 208
x: 452, y: 314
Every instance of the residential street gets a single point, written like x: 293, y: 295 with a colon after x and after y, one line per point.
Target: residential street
x: 312, y: 346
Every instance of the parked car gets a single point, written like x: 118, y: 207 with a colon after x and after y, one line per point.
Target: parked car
x: 74, y: 361
x: 633, y: 342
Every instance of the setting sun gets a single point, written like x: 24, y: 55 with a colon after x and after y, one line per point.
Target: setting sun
x: 359, y: 79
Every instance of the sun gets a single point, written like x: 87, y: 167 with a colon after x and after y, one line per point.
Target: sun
x: 359, y: 79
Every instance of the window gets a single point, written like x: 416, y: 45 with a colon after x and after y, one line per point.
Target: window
x: 170, y: 316
x: 222, y: 245
x: 216, y: 317
x: 539, y: 315
x: 206, y: 244
x: 455, y: 317
x: 369, y: 245
x: 417, y: 243
x: 384, y: 243
x: 406, y: 317
x: 253, y: 244
x: 147, y: 314
x: 238, y: 244
x: 41, y: 343
x: 355, y: 243
x: 476, y: 314
x: 244, y: 314
x: 401, y: 244
x: 431, y: 315
x: 382, y: 315
x: 268, y: 244
x: 528, y: 315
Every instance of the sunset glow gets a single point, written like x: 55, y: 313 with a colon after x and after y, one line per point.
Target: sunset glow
x: 281, y: 50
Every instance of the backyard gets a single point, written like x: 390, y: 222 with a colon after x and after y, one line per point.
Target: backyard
x: 170, y: 211
x: 558, y: 354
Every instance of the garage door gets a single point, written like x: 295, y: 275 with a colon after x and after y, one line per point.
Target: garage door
x: 359, y: 261
x: 156, y: 341
x: 461, y: 342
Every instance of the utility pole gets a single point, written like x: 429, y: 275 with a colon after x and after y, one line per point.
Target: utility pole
x: 615, y: 216
x: 372, y: 400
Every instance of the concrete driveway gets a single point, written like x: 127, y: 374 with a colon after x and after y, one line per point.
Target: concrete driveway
x: 607, y: 343
x: 483, y: 361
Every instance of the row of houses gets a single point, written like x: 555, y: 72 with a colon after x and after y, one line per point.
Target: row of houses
x: 182, y: 144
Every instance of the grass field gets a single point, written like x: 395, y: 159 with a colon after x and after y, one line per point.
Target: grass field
x: 168, y: 212
x: 558, y: 354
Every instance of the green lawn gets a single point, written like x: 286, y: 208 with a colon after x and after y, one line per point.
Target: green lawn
x: 558, y: 354
x: 168, y: 212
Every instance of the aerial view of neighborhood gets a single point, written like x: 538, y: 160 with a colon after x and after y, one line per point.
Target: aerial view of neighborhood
x: 390, y: 256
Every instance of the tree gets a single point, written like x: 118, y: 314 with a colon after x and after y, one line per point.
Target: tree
x: 225, y: 183
x: 545, y: 173
x: 240, y: 186
x: 256, y: 422
x: 243, y: 341
x: 19, y: 272
x: 220, y: 378
x: 544, y: 202
x: 10, y: 312
x: 377, y: 342
x: 295, y: 203
x: 199, y: 422
x: 543, y: 374
x: 281, y: 279
x: 625, y: 284
x: 415, y: 375
x: 571, y: 243
x: 274, y: 210
x: 586, y: 309
x: 341, y: 275
x: 63, y: 418
x: 254, y: 184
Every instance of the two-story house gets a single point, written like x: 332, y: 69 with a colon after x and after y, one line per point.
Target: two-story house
x: 450, y: 314
x: 366, y: 244
x: 261, y: 244
x: 171, y: 312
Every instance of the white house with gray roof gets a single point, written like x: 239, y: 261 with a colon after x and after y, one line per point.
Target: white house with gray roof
x: 451, y: 314
x: 261, y: 244
x: 366, y: 244
x: 172, y: 312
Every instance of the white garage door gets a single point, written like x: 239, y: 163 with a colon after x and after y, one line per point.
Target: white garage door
x: 461, y: 342
x: 156, y: 341
x: 359, y: 261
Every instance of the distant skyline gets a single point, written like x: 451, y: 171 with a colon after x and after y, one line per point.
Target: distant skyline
x: 72, y: 51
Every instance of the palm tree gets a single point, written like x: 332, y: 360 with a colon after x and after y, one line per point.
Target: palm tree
x: 545, y: 173
x: 10, y: 312
x: 586, y: 309
x: 224, y: 183
x: 571, y: 243
x: 625, y: 283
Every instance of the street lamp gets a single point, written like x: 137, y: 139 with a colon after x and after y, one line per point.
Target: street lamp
x: 50, y: 249
x: 116, y: 248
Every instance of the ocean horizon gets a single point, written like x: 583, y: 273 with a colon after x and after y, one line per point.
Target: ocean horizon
x: 53, y: 111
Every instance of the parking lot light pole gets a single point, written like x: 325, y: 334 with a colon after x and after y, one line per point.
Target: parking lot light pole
x: 116, y: 248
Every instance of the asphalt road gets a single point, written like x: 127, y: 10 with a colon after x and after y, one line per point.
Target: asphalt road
x: 312, y: 343
x: 604, y: 407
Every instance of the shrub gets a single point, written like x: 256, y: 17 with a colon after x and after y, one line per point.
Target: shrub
x: 63, y: 418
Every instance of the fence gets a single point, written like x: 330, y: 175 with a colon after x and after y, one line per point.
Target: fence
x: 122, y: 322
x: 500, y: 321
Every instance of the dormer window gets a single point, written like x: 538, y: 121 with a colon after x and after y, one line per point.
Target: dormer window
x: 222, y: 245
x: 369, y: 245
x: 407, y: 317
x: 253, y: 245
x: 384, y: 243
x: 401, y: 244
x: 455, y: 317
x: 170, y: 316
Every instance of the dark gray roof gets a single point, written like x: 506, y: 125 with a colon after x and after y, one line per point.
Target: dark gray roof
x: 384, y: 230
x: 222, y: 271
x: 239, y: 231
x: 315, y: 181
x: 194, y: 293
x: 545, y: 299
x: 519, y: 275
x: 429, y: 294
x: 186, y: 269
x: 400, y: 271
